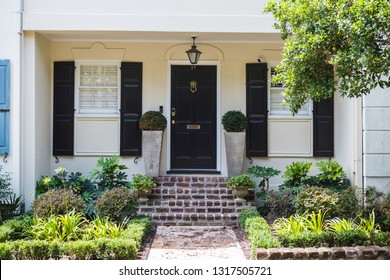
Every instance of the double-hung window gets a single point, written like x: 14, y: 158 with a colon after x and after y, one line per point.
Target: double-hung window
x: 288, y: 135
x: 97, y: 87
x: 277, y: 106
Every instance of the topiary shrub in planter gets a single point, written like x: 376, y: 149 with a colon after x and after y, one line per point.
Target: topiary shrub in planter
x: 234, y: 123
x: 57, y: 202
x: 152, y: 120
x: 152, y: 124
x: 117, y: 204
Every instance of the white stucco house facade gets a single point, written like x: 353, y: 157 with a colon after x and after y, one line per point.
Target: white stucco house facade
x: 76, y: 76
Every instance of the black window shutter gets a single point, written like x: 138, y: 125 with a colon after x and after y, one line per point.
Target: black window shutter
x: 131, y: 109
x: 256, y: 110
x: 323, y: 135
x: 63, y: 116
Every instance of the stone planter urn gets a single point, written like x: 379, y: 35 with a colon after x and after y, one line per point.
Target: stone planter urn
x: 240, y: 193
x: 143, y: 195
x: 235, y: 149
x: 152, y: 124
x: 151, y: 145
x: 234, y: 122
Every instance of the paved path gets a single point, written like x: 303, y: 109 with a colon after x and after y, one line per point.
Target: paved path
x: 192, y: 242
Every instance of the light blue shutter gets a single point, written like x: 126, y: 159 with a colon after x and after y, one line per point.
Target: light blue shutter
x: 4, y: 105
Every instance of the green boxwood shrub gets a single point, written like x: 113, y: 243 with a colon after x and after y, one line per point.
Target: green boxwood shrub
x: 234, y: 121
x: 351, y: 238
x: 117, y: 204
x: 306, y: 239
x: 15, y: 228
x: 57, y: 202
x: 381, y: 238
x: 313, y: 199
x: 152, y: 120
x: 6, y: 251
x: 5, y: 233
x: 245, y: 214
x: 259, y: 234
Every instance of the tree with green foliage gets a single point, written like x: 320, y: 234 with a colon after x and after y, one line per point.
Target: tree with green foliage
x: 332, y: 45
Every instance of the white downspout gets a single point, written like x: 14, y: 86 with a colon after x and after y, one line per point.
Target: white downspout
x: 16, y: 100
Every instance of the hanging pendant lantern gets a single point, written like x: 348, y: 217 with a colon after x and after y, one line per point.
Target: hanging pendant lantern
x: 193, y: 53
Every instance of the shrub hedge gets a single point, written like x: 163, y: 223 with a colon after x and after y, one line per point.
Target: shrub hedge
x: 257, y: 230
x: 260, y: 236
x: 124, y: 248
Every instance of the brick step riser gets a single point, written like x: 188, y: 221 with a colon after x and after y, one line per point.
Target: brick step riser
x: 192, y: 180
x: 144, y: 210
x: 196, y: 203
x: 194, y: 193
x: 193, y: 219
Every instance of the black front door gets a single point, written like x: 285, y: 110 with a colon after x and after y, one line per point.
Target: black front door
x: 193, y: 118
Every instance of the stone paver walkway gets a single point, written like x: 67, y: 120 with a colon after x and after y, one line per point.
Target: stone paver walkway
x: 192, y: 242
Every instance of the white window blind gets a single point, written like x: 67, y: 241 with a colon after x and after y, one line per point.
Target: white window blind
x: 99, y: 89
x: 276, y: 100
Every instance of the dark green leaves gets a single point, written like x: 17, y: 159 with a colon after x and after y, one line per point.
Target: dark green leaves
x: 332, y: 44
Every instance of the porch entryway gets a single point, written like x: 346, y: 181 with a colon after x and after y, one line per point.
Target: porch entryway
x: 193, y: 119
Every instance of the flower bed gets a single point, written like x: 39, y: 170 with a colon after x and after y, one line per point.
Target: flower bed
x: 320, y: 242
x: 124, y: 247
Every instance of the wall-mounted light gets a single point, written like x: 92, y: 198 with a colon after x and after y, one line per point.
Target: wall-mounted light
x: 193, y: 53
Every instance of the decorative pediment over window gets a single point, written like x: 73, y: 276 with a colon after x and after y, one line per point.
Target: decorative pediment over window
x: 98, y: 50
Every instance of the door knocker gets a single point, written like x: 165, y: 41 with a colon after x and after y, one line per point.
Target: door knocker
x: 193, y: 86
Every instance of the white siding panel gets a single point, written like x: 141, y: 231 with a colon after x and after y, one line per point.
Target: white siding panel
x: 377, y: 142
x: 377, y: 119
x: 381, y: 184
x: 377, y: 98
x: 377, y: 166
x: 96, y: 136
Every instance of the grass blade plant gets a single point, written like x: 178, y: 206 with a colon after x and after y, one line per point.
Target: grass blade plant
x: 369, y: 226
x: 102, y: 228
x: 62, y: 227
x: 293, y: 224
x: 338, y: 225
x: 316, y: 221
x: 71, y: 225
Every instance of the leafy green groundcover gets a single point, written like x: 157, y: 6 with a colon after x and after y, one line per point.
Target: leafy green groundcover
x: 126, y: 247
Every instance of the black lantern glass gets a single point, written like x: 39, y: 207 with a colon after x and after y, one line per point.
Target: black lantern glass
x: 193, y: 53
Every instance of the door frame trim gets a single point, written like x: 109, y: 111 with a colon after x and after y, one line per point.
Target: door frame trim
x: 218, y: 109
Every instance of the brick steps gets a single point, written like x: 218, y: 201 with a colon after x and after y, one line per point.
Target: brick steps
x: 194, y: 201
